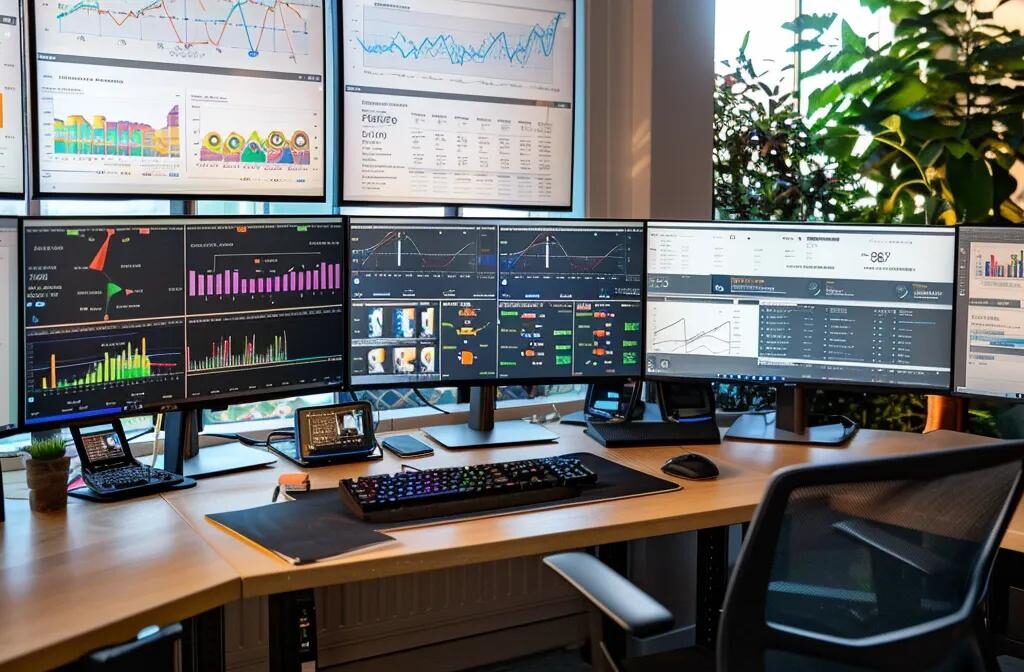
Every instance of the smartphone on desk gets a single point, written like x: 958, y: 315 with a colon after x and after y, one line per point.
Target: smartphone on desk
x: 407, y: 445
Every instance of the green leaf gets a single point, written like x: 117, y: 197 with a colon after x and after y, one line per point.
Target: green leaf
x: 973, y: 189
x: 852, y: 42
x: 895, y: 124
x: 806, y: 45
x: 823, y: 97
x: 907, y: 94
x: 816, y: 22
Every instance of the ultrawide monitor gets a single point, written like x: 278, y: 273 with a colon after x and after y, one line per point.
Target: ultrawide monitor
x: 458, y: 102
x: 989, y: 351
x: 792, y: 303
x: 185, y: 98
x: 488, y: 301
x: 127, y: 315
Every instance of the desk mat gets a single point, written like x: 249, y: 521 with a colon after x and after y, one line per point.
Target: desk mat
x: 317, y: 525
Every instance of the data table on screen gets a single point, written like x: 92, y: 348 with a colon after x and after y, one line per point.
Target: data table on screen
x: 458, y: 102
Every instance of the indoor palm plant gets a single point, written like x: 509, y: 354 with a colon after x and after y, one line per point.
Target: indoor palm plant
x: 47, y: 469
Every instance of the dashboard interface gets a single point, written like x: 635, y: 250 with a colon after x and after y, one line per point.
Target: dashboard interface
x: 789, y: 303
x: 989, y: 359
x: 181, y: 97
x: 138, y: 314
x: 487, y: 300
x: 458, y: 101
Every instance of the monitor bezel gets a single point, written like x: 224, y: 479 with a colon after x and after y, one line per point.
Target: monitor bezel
x: 25, y: 159
x: 956, y: 262
x: 185, y: 404
x: 150, y: 193
x: 816, y: 383
x: 340, y: 124
x: 496, y: 382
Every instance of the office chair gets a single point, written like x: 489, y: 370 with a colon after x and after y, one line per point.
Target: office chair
x: 151, y: 652
x: 877, y: 565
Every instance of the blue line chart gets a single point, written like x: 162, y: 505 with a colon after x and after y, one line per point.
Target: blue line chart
x: 539, y: 39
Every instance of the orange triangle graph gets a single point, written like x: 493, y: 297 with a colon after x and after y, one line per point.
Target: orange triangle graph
x: 99, y: 262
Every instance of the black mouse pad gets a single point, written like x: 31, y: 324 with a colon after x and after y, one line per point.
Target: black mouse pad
x: 321, y: 527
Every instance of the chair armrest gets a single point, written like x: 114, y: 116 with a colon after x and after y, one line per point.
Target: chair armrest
x: 881, y: 540
x: 630, y: 608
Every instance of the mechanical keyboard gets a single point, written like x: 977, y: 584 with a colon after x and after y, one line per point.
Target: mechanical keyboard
x: 627, y: 434
x: 415, y: 495
x: 133, y: 479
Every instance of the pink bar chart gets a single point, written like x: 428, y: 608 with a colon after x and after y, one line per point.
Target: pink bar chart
x: 325, y: 277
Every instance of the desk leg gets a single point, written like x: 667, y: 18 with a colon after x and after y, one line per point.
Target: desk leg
x: 202, y: 643
x: 712, y: 579
x: 292, y: 621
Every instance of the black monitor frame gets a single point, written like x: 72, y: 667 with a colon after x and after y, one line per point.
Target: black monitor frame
x: 30, y: 68
x: 184, y: 405
x: 492, y: 382
x: 25, y: 84
x: 956, y: 344
x: 815, y: 383
x: 340, y: 43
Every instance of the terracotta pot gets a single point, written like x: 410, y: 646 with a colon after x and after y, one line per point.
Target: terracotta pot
x: 946, y: 412
x: 48, y: 484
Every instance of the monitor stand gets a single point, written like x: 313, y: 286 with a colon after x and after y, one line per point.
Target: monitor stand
x: 789, y: 423
x: 183, y: 456
x: 482, y: 431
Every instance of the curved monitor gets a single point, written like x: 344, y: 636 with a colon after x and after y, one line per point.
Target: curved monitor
x: 189, y: 99
x: 435, y: 302
x: 800, y: 303
x: 123, y: 316
x: 989, y: 341
x: 458, y: 102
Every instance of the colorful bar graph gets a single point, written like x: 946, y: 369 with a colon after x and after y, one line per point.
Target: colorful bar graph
x: 223, y: 356
x: 326, y: 277
x: 1014, y: 268
x: 76, y: 134
x: 132, y: 363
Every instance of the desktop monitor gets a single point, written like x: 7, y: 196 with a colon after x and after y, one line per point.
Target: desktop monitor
x: 12, y: 96
x: 458, y: 103
x: 123, y: 316
x: 8, y: 324
x: 484, y: 302
x: 185, y: 99
x: 792, y: 304
x: 989, y: 342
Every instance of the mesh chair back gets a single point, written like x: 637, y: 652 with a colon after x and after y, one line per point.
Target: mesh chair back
x: 871, y: 565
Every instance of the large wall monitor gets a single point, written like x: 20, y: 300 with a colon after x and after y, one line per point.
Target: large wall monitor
x: 184, y: 98
x: 12, y: 136
x: 8, y: 323
x: 482, y: 301
x: 136, y: 314
x: 458, y: 102
x: 989, y: 358
x: 782, y: 303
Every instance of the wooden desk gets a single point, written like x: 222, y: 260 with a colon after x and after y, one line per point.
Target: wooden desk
x: 96, y: 575
x: 745, y: 469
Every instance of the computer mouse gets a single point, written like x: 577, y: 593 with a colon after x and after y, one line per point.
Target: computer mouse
x: 691, y: 466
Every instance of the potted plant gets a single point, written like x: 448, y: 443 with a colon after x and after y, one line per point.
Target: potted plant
x: 47, y: 474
